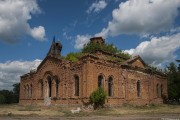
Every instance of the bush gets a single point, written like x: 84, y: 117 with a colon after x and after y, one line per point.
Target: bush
x: 98, y: 98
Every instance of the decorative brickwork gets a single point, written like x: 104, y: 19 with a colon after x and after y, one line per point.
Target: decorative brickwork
x: 58, y: 81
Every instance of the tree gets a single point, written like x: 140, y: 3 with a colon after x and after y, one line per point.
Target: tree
x: 173, y: 81
x: 16, y: 91
x: 2, y: 99
x: 98, y: 97
x: 8, y: 97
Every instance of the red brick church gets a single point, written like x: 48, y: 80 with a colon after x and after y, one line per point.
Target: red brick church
x: 60, y: 81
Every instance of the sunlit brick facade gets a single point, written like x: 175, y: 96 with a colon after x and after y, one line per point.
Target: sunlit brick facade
x: 58, y: 81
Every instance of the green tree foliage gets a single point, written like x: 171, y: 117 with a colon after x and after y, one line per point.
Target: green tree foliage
x: 173, y: 81
x: 98, y: 97
x: 16, y: 91
x: 2, y: 99
x: 8, y: 97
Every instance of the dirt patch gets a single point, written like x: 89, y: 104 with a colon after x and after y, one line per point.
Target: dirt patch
x: 17, y: 110
x: 59, y: 111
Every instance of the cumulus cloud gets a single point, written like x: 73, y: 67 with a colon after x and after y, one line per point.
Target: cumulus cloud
x: 158, y: 50
x: 11, y: 71
x: 97, y: 6
x: 142, y: 17
x: 14, y: 17
x: 38, y: 33
x: 81, y: 40
x: 104, y: 33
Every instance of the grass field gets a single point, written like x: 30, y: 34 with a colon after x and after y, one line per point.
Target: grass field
x: 18, y: 110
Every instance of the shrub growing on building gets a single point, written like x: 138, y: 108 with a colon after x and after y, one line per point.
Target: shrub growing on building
x: 98, y: 98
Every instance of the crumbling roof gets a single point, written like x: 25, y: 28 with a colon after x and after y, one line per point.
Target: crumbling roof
x: 131, y: 60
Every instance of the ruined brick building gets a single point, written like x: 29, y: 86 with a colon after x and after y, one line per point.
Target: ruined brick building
x: 59, y: 81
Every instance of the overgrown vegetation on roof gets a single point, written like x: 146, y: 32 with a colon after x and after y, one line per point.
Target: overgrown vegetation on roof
x: 92, y: 47
x: 73, y: 57
x: 110, y: 48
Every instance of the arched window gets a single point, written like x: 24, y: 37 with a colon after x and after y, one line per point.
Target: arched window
x: 76, y: 78
x: 110, y: 86
x: 31, y: 91
x: 24, y: 91
x: 49, y: 86
x: 27, y: 91
x: 56, y: 87
x: 100, y: 81
x: 157, y: 90
x: 161, y: 90
x: 138, y: 88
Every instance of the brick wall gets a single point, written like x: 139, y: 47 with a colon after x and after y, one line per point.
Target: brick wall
x: 88, y: 70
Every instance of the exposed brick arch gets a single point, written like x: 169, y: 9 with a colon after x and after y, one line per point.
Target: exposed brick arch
x: 47, y: 73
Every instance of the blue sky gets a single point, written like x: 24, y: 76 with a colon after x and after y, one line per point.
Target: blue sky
x: 149, y: 28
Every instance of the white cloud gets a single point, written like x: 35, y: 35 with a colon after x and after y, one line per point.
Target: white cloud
x: 11, y: 71
x: 14, y: 17
x: 131, y: 51
x: 81, y: 40
x: 38, y: 33
x: 104, y: 33
x: 97, y: 6
x: 142, y: 17
x: 158, y: 50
